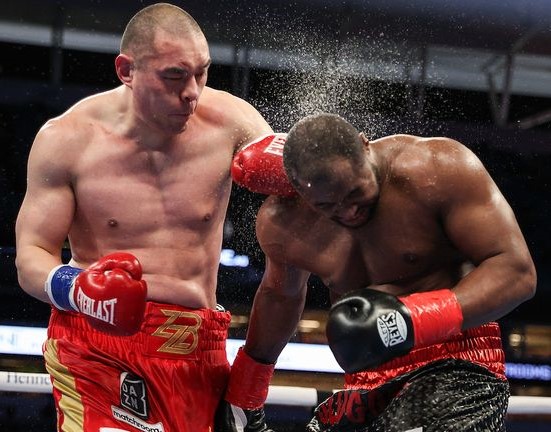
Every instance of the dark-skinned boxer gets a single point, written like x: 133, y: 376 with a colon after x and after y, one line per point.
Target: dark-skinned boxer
x: 421, y: 254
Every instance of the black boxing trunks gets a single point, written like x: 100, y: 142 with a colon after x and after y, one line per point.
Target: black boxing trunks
x: 443, y: 396
x: 456, y: 385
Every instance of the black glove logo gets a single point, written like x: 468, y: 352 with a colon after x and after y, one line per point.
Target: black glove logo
x: 392, y: 328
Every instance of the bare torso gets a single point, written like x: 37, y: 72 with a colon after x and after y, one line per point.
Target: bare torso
x: 439, y: 222
x: 166, y: 205
x: 402, y: 249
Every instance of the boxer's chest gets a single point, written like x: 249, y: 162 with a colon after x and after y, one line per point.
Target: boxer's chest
x: 406, y: 249
x: 146, y: 190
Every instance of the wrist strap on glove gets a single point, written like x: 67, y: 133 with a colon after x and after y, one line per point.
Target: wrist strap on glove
x: 435, y: 315
x: 249, y: 382
x: 59, y: 287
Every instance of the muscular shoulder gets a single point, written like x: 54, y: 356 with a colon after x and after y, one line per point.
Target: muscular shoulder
x: 75, y: 125
x: 436, y: 167
x: 51, y: 155
x: 410, y: 154
x: 61, y: 140
x: 233, y: 114
x: 272, y: 219
x: 61, y: 136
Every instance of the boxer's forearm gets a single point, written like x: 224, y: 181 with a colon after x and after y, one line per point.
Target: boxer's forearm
x: 495, y: 287
x: 33, y: 265
x: 274, y: 319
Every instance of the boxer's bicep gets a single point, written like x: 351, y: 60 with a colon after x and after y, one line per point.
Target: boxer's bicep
x: 250, y: 124
x: 45, y: 215
x: 284, y: 279
x: 283, y: 274
x: 482, y: 226
x: 478, y: 219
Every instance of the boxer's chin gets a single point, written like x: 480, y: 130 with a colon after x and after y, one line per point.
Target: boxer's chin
x: 359, y: 220
x: 179, y: 122
x: 352, y: 223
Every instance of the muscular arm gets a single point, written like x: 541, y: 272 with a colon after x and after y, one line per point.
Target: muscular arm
x: 455, y: 190
x: 46, y: 212
x: 481, y: 224
x: 279, y: 300
x: 245, y: 122
x: 277, y: 308
x: 276, y: 311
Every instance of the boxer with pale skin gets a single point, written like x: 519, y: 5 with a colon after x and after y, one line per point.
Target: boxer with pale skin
x: 138, y: 180
x: 421, y: 253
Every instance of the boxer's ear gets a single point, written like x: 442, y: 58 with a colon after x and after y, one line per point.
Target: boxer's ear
x: 365, y: 140
x: 124, y: 66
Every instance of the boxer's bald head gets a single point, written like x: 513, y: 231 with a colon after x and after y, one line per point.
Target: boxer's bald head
x: 315, y: 141
x: 140, y: 31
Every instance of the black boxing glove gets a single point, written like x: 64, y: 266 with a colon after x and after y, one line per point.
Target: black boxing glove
x: 369, y: 327
x: 230, y: 418
x: 242, y: 409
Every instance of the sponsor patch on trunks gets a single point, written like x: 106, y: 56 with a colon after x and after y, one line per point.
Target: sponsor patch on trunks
x: 135, y: 422
x: 133, y: 394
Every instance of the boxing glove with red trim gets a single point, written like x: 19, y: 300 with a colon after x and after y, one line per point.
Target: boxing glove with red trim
x: 242, y: 409
x: 110, y: 293
x: 368, y: 327
x: 258, y: 166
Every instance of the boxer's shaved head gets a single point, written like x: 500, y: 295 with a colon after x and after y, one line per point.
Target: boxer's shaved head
x: 140, y: 31
x: 316, y: 140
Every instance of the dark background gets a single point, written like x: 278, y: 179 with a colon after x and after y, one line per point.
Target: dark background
x: 43, y: 72
x: 479, y: 72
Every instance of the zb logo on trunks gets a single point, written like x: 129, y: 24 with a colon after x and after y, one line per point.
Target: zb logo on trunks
x: 133, y: 394
x: 181, y: 330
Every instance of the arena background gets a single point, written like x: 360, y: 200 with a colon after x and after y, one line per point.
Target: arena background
x: 476, y: 71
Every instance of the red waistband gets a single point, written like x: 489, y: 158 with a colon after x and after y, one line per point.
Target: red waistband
x: 480, y: 345
x: 168, y: 330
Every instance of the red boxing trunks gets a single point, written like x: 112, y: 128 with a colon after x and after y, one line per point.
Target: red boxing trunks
x: 168, y: 377
x: 480, y: 345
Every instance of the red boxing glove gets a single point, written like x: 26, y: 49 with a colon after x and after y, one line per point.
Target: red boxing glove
x: 258, y: 166
x: 249, y: 382
x: 111, y: 292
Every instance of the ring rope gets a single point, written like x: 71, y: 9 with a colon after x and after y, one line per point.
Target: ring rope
x: 27, y: 382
